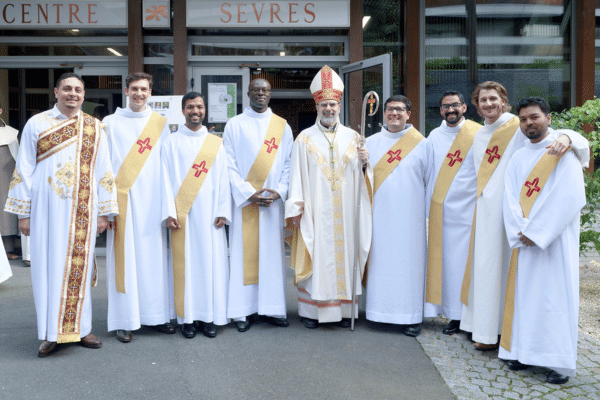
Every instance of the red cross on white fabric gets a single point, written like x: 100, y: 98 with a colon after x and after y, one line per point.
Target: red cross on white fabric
x: 271, y: 145
x: 394, y: 155
x: 495, y: 154
x: 535, y: 187
x: 454, y: 158
x: 144, y: 145
x: 202, y: 169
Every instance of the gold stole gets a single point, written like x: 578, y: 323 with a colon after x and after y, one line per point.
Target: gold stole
x: 188, y: 191
x: 495, y: 149
x: 130, y: 169
x: 529, y: 193
x: 460, y: 146
x: 250, y: 214
x: 83, y: 131
x: 392, y: 158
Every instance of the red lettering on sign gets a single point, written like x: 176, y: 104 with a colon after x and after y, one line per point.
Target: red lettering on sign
x: 309, y: 12
x: 24, y: 13
x: 258, y: 15
x: 224, y: 11
x: 58, y: 6
x: 73, y: 13
x: 275, y: 13
x: 44, y: 14
x: 90, y: 13
x: 240, y: 13
x: 292, y: 12
x: 4, y: 13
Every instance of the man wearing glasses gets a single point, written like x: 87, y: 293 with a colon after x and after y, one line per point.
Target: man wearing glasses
x: 396, y: 272
x: 325, y: 179
x: 451, y: 192
x: 258, y: 145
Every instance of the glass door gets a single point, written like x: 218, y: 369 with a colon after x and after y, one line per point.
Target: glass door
x: 361, y: 77
x: 103, y: 89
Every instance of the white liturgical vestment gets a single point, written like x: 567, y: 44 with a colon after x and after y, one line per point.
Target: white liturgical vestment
x: 546, y: 304
x: 148, y: 281
x: 44, y: 191
x: 243, y: 138
x: 206, y: 263
x: 326, y: 197
x: 459, y: 205
x: 396, y: 271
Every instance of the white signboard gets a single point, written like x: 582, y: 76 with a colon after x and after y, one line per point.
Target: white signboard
x: 36, y: 14
x: 156, y: 14
x: 268, y: 14
x: 169, y: 107
x: 221, y: 102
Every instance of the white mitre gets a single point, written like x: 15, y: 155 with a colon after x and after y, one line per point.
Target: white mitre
x: 327, y: 85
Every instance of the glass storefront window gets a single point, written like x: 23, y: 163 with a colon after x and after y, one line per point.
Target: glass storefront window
x: 163, y: 78
x: 83, y: 50
x: 525, y: 47
x: 268, y: 49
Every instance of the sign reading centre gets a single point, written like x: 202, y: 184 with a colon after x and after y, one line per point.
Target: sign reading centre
x: 63, y: 14
x: 271, y: 14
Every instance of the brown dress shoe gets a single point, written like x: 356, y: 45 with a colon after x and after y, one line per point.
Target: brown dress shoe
x: 47, y: 348
x: 486, y: 347
x: 123, y: 336
x: 91, y: 342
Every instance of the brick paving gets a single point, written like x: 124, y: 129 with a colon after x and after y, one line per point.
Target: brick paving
x: 473, y: 374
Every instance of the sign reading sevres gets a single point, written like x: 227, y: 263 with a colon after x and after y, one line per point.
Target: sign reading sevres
x: 63, y: 14
x: 272, y: 14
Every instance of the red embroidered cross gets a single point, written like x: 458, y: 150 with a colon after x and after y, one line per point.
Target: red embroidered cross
x: 394, y: 155
x: 492, y: 156
x: 144, y: 145
x: 201, y: 170
x: 271, y: 145
x: 452, y: 158
x: 535, y: 187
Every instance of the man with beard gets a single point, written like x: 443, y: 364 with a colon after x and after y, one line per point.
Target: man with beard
x: 258, y: 145
x: 544, y: 195
x: 484, y: 283
x: 196, y: 204
x: 63, y: 192
x: 396, y: 270
x: 451, y: 191
x: 140, y: 284
x: 325, y: 179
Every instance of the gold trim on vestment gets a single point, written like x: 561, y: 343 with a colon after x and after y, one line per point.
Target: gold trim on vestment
x: 128, y: 172
x: 56, y: 138
x: 495, y: 150
x: 186, y: 195
x: 395, y: 154
x: 250, y: 214
x: 456, y: 154
x: 80, y: 227
x: 529, y: 193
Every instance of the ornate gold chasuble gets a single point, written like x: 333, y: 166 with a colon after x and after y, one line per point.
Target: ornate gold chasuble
x: 128, y: 172
x: 529, y: 193
x: 186, y: 195
x: 460, y: 147
x: 82, y: 131
x: 300, y: 256
x: 250, y: 214
x: 494, y: 152
x: 392, y: 158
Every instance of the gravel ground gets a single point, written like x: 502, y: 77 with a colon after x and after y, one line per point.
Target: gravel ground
x: 589, y: 299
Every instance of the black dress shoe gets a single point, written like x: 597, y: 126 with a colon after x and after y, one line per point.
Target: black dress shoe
x: 344, y: 323
x: 556, y: 378
x: 188, y: 330
x: 47, y: 348
x: 282, y: 322
x: 412, y: 330
x: 310, y: 323
x: 123, y: 336
x: 242, y: 326
x: 452, y: 327
x: 209, y: 330
x: 164, y: 328
x: 515, y: 365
